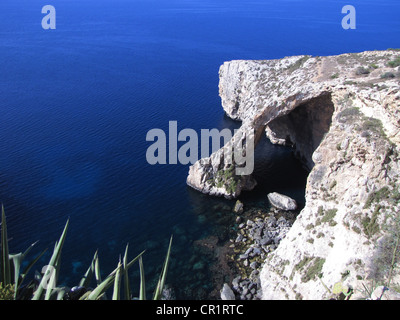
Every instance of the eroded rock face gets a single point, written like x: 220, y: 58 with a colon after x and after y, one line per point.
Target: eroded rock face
x: 352, y: 201
x: 247, y: 90
x: 217, y: 175
x: 303, y: 128
x: 345, y: 126
x: 291, y: 100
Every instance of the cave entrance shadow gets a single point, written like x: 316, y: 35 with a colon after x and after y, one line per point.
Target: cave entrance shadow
x: 285, y: 166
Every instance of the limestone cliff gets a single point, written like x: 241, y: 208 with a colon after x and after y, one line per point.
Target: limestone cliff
x: 342, y: 116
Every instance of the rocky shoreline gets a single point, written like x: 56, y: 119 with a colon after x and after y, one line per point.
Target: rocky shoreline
x: 238, y: 246
x: 259, y: 232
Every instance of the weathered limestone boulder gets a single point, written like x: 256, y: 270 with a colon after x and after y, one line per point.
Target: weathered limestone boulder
x: 282, y: 202
x: 227, y: 293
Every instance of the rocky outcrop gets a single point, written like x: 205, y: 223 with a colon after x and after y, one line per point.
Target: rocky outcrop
x: 341, y: 115
x: 281, y: 201
x: 217, y: 175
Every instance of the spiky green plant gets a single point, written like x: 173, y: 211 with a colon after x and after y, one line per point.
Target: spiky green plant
x: 163, y: 274
x: 47, y: 288
x: 49, y: 278
x: 11, y: 262
x: 5, y: 266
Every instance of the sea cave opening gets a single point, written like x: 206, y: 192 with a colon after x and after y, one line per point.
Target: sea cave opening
x: 283, y: 154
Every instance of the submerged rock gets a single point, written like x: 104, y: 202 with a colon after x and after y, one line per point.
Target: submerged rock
x: 282, y: 202
x: 238, y: 207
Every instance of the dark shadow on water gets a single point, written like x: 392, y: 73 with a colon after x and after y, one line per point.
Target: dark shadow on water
x: 276, y: 169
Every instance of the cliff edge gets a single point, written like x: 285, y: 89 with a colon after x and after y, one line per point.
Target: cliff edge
x: 341, y: 114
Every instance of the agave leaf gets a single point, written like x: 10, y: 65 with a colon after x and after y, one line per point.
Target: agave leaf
x: 85, y: 281
x: 163, y: 275
x: 97, y: 275
x: 117, y: 281
x: 51, y: 268
x: 29, y: 249
x: 29, y: 266
x: 85, y: 295
x: 16, y: 259
x: 17, y: 262
x: 51, y: 285
x: 101, y: 288
x: 5, y: 259
x: 130, y: 263
x: 97, y: 270
x: 104, y: 285
x: 126, y: 278
x: 142, y: 291
x: 59, y: 293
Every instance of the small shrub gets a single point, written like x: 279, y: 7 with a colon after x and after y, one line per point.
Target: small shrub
x: 303, y: 262
x: 298, y: 296
x: 314, y: 269
x: 377, y: 196
x: 394, y: 63
x: 329, y: 215
x: 370, y: 225
x: 299, y: 63
x: 348, y: 113
x: 362, y: 71
x: 356, y: 229
x: 387, y: 257
x: 310, y: 226
x: 388, y: 75
x: 335, y: 76
x: 349, y: 82
x: 396, y: 195
x: 373, y: 125
x: 226, y: 178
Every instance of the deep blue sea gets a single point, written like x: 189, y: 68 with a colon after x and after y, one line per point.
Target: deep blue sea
x: 77, y: 102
